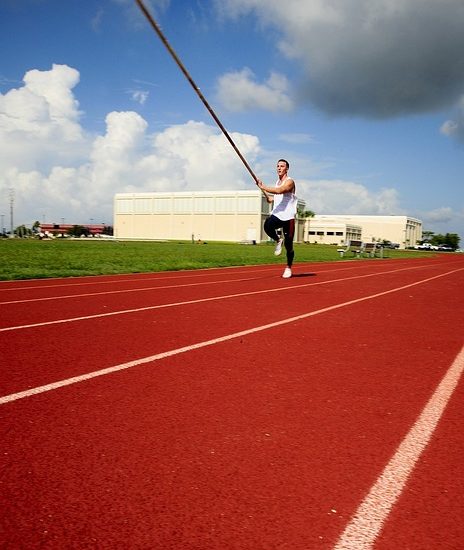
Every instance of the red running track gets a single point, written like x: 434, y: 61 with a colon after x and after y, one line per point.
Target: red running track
x: 231, y: 409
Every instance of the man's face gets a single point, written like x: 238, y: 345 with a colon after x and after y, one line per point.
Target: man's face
x: 281, y: 168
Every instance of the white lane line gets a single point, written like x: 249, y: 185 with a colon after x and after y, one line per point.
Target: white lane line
x: 201, y: 300
x: 122, y: 291
x: 366, y: 524
x: 95, y: 279
x: 206, y: 272
x: 184, y: 349
x: 95, y: 283
x: 70, y: 296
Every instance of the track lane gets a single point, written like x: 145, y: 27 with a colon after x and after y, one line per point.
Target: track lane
x: 363, y: 529
x: 236, y: 446
x: 59, y: 308
x: 44, y: 288
x: 429, y: 512
x: 39, y: 355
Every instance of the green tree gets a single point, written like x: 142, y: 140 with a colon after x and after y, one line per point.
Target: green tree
x: 450, y: 239
x: 78, y: 231
x: 305, y: 213
x: 22, y: 231
x: 427, y: 236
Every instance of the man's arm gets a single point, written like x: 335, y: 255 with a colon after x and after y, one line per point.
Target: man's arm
x: 287, y: 187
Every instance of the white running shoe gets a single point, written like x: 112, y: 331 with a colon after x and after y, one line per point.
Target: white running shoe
x: 278, y: 248
x: 287, y: 273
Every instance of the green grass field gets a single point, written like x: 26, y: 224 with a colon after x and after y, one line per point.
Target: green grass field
x: 32, y: 259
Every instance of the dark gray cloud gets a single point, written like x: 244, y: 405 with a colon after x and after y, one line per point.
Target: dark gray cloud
x: 371, y: 58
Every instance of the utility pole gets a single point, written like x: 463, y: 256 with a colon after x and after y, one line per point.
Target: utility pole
x: 12, y: 198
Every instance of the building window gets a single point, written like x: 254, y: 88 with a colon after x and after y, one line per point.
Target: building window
x: 183, y: 205
x: 311, y: 232
x: 247, y: 205
x: 204, y: 205
x: 339, y: 233
x: 225, y: 205
x: 320, y: 233
x: 124, y: 206
x: 330, y: 233
x: 142, y: 206
x: 162, y: 205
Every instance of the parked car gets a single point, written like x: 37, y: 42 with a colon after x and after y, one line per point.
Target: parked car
x: 389, y: 244
x: 426, y: 246
x: 445, y: 248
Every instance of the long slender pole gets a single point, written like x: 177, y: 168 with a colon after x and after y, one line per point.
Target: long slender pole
x: 12, y: 198
x: 195, y: 87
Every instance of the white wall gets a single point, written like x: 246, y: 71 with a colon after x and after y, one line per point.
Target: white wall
x: 220, y: 216
x: 404, y: 230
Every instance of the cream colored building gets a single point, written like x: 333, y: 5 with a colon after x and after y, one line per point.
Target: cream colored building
x: 234, y: 216
x: 330, y: 232
x: 404, y: 230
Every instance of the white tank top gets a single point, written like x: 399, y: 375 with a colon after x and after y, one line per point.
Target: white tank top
x: 284, y: 204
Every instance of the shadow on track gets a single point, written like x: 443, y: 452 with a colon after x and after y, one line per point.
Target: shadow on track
x: 294, y: 275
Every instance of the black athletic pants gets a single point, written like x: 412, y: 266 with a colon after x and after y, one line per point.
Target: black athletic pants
x: 288, y: 227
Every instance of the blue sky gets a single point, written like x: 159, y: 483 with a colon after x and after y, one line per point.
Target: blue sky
x: 365, y: 98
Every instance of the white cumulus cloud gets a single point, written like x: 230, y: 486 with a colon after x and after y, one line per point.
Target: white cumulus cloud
x: 239, y: 91
x: 439, y: 215
x: 346, y: 197
x: 439, y: 218
x: 39, y: 122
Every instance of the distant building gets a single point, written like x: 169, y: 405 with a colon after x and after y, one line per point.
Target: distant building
x: 235, y: 216
x: 330, y: 232
x: 55, y: 229
x: 403, y: 230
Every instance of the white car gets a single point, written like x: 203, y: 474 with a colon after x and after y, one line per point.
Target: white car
x: 426, y: 246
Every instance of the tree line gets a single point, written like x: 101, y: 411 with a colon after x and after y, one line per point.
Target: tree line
x: 437, y: 239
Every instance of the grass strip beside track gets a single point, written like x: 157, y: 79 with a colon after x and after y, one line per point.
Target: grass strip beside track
x: 35, y: 259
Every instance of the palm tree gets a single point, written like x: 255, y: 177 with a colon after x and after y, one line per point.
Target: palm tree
x: 305, y: 213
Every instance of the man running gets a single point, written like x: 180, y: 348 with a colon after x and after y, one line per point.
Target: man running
x: 283, y: 213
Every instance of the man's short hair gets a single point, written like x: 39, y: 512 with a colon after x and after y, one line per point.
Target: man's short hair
x: 286, y: 162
